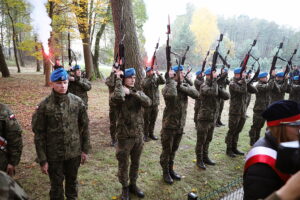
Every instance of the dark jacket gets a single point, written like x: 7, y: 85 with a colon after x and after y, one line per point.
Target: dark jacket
x: 260, y: 180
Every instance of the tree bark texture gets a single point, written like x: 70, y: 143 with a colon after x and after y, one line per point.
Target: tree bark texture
x: 3, y: 66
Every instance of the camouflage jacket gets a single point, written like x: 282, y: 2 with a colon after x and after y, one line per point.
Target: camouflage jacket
x: 150, y: 87
x: 198, y: 82
x: 176, y: 100
x: 294, y: 90
x: 238, y: 96
x: 10, y: 133
x: 130, y: 121
x: 10, y: 189
x: 278, y: 90
x: 111, y: 82
x: 210, y: 95
x: 263, y: 95
x: 79, y: 87
x: 223, y: 81
x: 188, y: 81
x: 60, y: 124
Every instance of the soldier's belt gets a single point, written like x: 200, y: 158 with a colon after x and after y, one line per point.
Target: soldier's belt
x: 3, y: 144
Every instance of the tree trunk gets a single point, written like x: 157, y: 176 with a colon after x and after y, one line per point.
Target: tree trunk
x: 3, y: 66
x: 14, y: 35
x: 82, y: 21
x: 132, y: 51
x: 20, y: 53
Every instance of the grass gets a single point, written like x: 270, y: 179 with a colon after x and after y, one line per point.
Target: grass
x: 98, y: 177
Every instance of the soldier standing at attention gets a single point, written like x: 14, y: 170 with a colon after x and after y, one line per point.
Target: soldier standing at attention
x: 78, y: 85
x: 238, y: 89
x: 294, y: 90
x: 264, y: 89
x: 10, y: 140
x: 174, y: 117
x: 113, y: 112
x: 222, y: 82
x: 210, y: 94
x: 130, y: 126
x: 150, y: 87
x: 61, y: 138
x: 198, y: 82
x: 279, y: 87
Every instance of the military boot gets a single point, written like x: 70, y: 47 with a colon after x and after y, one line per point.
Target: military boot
x: 236, y: 151
x: 208, y: 161
x: 230, y: 152
x: 125, y: 194
x: 166, y: 176
x: 200, y: 162
x: 173, y: 174
x: 152, y: 136
x: 136, y: 191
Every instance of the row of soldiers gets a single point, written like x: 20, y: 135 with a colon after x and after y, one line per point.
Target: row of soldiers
x: 60, y: 122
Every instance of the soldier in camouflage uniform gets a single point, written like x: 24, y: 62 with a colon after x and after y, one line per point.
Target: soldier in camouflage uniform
x: 238, y: 89
x: 263, y: 97
x: 198, y: 82
x: 9, y: 189
x: 78, y: 85
x: 61, y: 138
x: 130, y: 129
x: 222, y: 82
x: 279, y: 87
x: 174, y: 117
x: 294, y: 90
x: 10, y: 140
x: 150, y: 87
x: 113, y: 111
x: 210, y: 95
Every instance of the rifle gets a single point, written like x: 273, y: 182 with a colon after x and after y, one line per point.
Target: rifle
x: 246, y: 59
x: 224, y: 60
x: 275, y: 57
x: 257, y: 71
x: 289, y: 63
x: 184, y: 55
x: 154, y: 54
x: 215, y: 56
x: 204, y: 62
x: 168, y: 48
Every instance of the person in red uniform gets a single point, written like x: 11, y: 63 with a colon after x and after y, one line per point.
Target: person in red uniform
x: 261, y: 177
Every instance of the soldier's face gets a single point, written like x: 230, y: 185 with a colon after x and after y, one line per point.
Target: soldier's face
x: 78, y: 72
x: 129, y: 81
x: 264, y: 80
x: 279, y: 78
x: 150, y: 73
x: 60, y: 87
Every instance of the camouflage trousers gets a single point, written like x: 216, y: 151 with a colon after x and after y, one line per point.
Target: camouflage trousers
x: 113, y: 114
x: 10, y: 189
x: 60, y: 170
x: 220, y: 110
x: 236, y: 124
x: 170, y: 140
x: 150, y: 115
x: 3, y: 161
x: 258, y: 123
x: 205, y: 130
x: 126, y: 148
x: 196, y: 109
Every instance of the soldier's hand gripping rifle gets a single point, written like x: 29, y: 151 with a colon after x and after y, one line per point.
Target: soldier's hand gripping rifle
x: 246, y: 58
x: 154, y: 55
x: 168, y: 49
x: 215, y: 57
x: 289, y: 63
x: 275, y: 57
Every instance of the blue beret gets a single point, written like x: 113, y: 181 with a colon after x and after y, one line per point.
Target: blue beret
x: 263, y: 74
x: 296, y: 78
x: 76, y: 67
x: 207, y: 71
x: 198, y: 72
x: 59, y: 74
x: 280, y: 74
x: 281, y: 112
x: 237, y: 70
x: 129, y: 72
x: 176, y: 68
x: 225, y: 69
x: 148, y: 69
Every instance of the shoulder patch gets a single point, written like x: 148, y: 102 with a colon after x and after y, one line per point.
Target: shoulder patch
x: 12, y: 116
